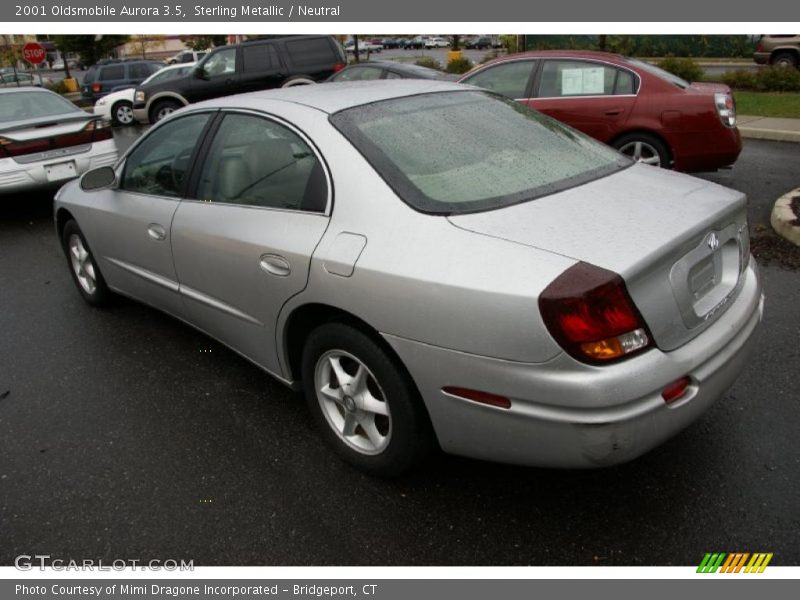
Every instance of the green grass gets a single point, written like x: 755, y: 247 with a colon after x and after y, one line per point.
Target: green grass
x: 768, y: 104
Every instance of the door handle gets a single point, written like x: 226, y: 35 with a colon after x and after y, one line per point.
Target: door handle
x: 614, y: 112
x: 275, y: 265
x: 156, y: 232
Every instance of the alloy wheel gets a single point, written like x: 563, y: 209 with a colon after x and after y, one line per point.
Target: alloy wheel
x: 82, y: 264
x: 642, y: 152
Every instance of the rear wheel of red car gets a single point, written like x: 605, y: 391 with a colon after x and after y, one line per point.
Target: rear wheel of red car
x: 363, y: 401
x: 784, y: 59
x: 644, y: 148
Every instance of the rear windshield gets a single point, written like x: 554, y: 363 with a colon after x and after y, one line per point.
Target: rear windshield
x: 19, y: 106
x: 659, y: 72
x: 459, y: 152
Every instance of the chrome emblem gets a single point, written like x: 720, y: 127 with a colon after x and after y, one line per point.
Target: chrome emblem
x: 713, y: 241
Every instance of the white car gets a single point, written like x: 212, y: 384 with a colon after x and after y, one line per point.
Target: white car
x: 45, y: 140
x: 185, y: 56
x: 117, y: 107
x: 436, y: 42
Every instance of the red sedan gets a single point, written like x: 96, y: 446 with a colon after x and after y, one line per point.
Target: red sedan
x: 643, y: 111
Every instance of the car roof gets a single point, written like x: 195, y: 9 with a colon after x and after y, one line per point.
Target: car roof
x: 399, y: 67
x: 596, y: 54
x: 336, y: 96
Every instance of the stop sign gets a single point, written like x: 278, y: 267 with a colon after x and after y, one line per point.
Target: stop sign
x: 34, y: 53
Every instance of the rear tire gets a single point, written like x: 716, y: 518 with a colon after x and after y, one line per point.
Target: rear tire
x: 82, y: 266
x: 644, y: 148
x: 122, y: 114
x: 784, y: 59
x: 364, y: 403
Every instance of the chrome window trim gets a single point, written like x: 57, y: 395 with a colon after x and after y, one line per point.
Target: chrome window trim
x: 302, y: 135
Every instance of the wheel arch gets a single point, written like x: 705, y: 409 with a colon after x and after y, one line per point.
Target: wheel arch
x: 305, y: 318
x: 152, y: 102
x: 645, y: 130
x: 62, y: 217
x: 784, y: 50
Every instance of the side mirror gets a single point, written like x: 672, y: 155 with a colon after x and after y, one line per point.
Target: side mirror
x: 98, y: 179
x: 200, y: 73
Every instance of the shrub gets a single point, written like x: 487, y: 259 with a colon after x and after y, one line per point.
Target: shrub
x: 459, y: 65
x: 59, y: 87
x: 739, y: 80
x: 427, y: 61
x: 685, y: 68
x: 778, y: 79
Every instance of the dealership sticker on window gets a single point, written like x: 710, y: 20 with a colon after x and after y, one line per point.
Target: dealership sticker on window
x: 582, y: 81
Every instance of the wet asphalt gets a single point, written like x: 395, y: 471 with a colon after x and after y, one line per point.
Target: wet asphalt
x: 126, y: 434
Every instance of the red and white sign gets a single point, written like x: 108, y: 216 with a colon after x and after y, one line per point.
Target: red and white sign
x: 34, y: 53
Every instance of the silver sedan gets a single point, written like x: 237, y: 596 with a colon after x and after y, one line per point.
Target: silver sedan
x: 434, y: 265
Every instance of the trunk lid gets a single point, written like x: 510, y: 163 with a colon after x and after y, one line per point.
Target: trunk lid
x: 680, y: 243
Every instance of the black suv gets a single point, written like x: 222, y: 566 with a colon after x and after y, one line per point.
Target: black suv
x: 106, y: 77
x: 259, y: 64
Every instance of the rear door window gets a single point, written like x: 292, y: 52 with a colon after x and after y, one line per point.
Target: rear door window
x: 574, y: 78
x: 259, y: 57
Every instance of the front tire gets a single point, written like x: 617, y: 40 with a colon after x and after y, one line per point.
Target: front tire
x: 163, y: 109
x: 122, y: 114
x: 364, y: 403
x: 644, y: 148
x: 82, y: 266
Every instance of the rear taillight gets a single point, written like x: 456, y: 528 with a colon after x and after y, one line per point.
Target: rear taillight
x: 726, y: 108
x: 97, y: 87
x: 94, y: 131
x: 591, y: 315
x: 101, y: 130
x: 338, y: 67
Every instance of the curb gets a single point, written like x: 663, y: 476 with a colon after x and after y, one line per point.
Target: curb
x: 775, y: 135
x: 783, y: 217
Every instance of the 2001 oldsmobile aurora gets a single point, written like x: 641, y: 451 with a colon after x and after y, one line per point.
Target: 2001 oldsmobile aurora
x: 432, y: 263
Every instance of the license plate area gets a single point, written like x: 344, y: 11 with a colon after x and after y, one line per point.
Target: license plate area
x: 62, y: 170
x: 704, y: 278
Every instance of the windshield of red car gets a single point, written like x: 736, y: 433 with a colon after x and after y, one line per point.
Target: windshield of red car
x: 459, y: 152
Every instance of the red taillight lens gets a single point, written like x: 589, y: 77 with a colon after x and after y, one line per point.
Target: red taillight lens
x: 338, y: 67
x: 591, y: 315
x: 97, y: 87
x: 94, y: 131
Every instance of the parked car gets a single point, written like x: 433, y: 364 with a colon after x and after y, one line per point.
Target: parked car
x: 279, y: 61
x: 390, y: 43
x: 73, y: 64
x: 525, y: 297
x: 479, y: 43
x: 386, y: 69
x: 363, y: 46
x: 46, y: 139
x: 111, y: 76
x: 18, y: 79
x: 436, y: 42
x: 643, y: 111
x: 778, y: 50
x: 415, y: 43
x: 117, y: 107
x: 185, y: 56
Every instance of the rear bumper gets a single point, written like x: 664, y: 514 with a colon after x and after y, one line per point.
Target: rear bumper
x: 706, y: 150
x: 569, y: 415
x: 15, y: 177
x: 761, y: 58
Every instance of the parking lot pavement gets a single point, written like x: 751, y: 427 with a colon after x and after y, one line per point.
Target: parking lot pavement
x: 127, y: 434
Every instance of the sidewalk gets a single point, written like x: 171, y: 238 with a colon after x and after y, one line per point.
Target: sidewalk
x: 769, y: 128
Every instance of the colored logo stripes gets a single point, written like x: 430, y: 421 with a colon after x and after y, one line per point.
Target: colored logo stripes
x: 734, y: 562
